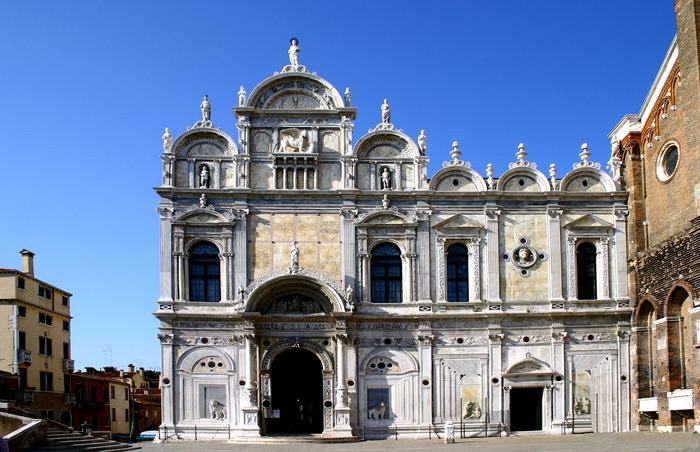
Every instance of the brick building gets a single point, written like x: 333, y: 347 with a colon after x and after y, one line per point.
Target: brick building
x: 658, y: 150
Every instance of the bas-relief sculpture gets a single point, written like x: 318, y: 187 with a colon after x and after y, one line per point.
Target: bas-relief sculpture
x: 410, y: 366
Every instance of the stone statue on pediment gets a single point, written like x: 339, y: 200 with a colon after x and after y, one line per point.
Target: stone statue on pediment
x: 386, y: 112
x: 167, y: 141
x: 294, y: 52
x: 241, y: 96
x: 205, y: 108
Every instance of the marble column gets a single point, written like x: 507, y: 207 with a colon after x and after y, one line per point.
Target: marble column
x: 348, y: 237
x: 621, y: 291
x: 250, y: 383
x: 493, y: 255
x: 423, y: 248
x: 554, y: 245
x: 166, y: 255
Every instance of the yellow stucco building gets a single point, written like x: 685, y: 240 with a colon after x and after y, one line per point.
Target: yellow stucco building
x: 35, y: 339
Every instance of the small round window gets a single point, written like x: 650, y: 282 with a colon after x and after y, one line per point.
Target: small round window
x: 667, y: 163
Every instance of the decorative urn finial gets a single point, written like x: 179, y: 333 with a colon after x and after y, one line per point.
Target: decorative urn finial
x: 521, y: 155
x: 585, y: 153
x: 553, y: 175
x: 455, y: 153
x: 489, y: 175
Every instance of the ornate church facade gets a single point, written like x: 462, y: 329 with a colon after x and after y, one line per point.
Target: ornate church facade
x: 313, y: 282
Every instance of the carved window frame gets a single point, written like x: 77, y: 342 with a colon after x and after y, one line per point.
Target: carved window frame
x: 601, y: 240
x: 472, y: 240
x: 185, y: 236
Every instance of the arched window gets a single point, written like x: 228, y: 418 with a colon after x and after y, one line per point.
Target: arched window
x: 457, y: 273
x: 205, y: 276
x: 386, y: 274
x: 586, y: 271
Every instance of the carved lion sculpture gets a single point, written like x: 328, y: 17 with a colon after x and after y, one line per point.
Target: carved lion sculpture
x: 292, y: 140
x: 377, y: 412
x: 217, y: 410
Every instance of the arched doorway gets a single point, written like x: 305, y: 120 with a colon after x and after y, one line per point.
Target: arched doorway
x: 296, y: 385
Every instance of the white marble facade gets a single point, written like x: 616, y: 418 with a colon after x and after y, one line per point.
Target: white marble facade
x: 297, y: 208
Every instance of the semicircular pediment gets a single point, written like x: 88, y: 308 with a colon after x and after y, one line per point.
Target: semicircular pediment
x: 295, y: 91
x: 384, y: 144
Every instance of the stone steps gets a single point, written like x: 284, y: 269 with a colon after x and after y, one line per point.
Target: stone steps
x: 70, y: 441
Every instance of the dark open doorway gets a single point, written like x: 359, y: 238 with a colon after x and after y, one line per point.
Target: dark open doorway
x: 525, y: 409
x: 296, y: 387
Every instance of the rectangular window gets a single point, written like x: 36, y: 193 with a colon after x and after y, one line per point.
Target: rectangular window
x: 22, y: 340
x: 64, y: 301
x: 45, y: 292
x: 46, y: 381
x: 45, y: 319
x: 111, y: 388
x: 126, y: 414
x: 20, y: 283
x: 22, y: 311
x: 106, y: 421
x: 66, y: 350
x: 45, y: 346
x: 66, y: 325
x: 114, y: 415
x: 126, y: 393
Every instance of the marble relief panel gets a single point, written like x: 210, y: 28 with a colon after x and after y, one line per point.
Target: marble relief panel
x: 515, y: 286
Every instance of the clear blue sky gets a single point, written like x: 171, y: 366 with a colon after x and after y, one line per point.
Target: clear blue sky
x: 86, y: 89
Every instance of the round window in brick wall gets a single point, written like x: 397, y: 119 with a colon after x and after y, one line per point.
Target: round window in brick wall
x: 667, y: 162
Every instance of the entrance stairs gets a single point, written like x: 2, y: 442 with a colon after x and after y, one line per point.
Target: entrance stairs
x: 58, y: 439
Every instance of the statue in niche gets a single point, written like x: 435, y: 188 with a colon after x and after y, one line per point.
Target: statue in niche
x: 294, y: 52
x: 386, y: 179
x: 167, y: 141
x: 205, y: 108
x: 204, y: 176
x: 386, y: 112
x: 294, y: 258
x: 293, y: 140
x: 217, y: 410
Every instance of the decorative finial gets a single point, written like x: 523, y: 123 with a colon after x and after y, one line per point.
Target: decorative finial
x: 385, y: 202
x: 423, y: 141
x: 489, y: 174
x: 348, y: 96
x: 553, y: 175
x: 294, y: 52
x: 386, y: 112
x: 241, y: 96
x: 455, y: 153
x: 205, y: 108
x: 521, y: 155
x: 167, y: 141
x: 585, y: 153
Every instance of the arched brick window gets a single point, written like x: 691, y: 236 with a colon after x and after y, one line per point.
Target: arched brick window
x: 586, y: 271
x: 205, y: 273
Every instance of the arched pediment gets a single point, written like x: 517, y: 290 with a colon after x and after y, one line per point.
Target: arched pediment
x: 275, y: 294
x: 384, y: 217
x: 204, y: 142
x: 529, y: 367
x: 295, y: 91
x: 523, y: 179
x: 587, y: 179
x: 386, y: 144
x: 466, y: 180
x: 201, y: 216
x: 405, y: 362
x: 193, y: 357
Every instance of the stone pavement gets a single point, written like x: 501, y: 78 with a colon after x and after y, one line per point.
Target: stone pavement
x: 617, y: 442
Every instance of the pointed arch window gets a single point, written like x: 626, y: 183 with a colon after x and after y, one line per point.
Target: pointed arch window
x: 205, y: 273
x: 386, y: 274
x: 586, y: 271
x: 457, y: 273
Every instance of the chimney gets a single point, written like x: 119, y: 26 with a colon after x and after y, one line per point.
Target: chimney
x: 27, y: 262
x: 142, y: 372
x: 131, y: 368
